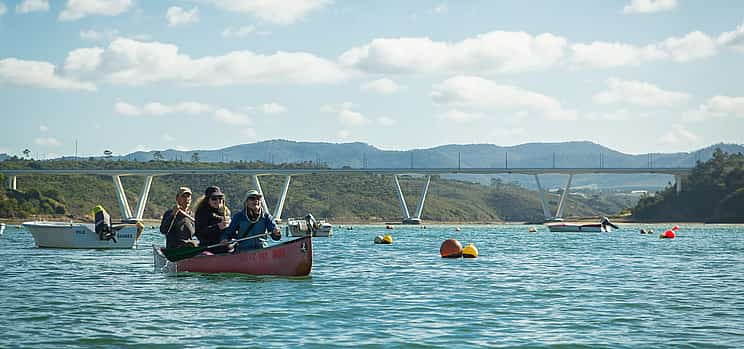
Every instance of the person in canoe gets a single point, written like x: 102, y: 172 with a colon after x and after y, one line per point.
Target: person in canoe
x: 177, y: 223
x: 252, y: 220
x: 212, y: 218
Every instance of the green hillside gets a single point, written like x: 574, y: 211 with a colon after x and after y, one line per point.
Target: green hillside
x: 713, y: 192
x: 337, y: 198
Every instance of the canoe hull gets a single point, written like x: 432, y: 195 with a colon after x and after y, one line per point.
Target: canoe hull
x: 79, y: 235
x: 291, y: 258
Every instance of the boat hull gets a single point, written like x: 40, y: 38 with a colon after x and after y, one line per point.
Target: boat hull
x: 291, y: 258
x: 79, y: 235
x: 577, y: 228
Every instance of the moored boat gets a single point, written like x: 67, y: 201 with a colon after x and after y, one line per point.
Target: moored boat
x: 2, y: 228
x: 291, y: 258
x: 82, y: 235
x: 603, y: 226
x: 303, y: 226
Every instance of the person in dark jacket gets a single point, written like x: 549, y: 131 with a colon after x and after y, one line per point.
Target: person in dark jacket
x: 251, y: 221
x: 212, y: 217
x: 177, y: 223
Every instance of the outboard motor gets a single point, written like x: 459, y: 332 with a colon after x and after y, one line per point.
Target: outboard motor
x: 312, y: 224
x: 605, y: 222
x: 103, y: 224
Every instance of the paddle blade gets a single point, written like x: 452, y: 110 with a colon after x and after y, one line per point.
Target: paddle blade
x: 179, y: 253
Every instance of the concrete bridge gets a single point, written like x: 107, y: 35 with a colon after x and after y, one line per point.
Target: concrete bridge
x: 407, y: 217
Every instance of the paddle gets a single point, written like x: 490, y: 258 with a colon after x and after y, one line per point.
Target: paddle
x: 179, y: 253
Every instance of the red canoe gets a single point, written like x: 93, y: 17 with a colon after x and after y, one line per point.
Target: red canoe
x: 291, y: 258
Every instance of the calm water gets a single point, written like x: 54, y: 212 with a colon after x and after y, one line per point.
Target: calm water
x: 545, y: 290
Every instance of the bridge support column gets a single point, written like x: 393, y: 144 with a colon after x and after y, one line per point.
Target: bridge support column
x: 420, y: 206
x: 12, y: 184
x: 282, y: 197
x: 140, y: 210
x: 257, y: 185
x: 678, y: 183
x: 561, y: 204
x: 546, y: 212
x: 126, y: 212
x: 401, y: 199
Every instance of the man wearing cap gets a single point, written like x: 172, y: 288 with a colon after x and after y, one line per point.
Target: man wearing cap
x: 177, y: 223
x: 252, y: 220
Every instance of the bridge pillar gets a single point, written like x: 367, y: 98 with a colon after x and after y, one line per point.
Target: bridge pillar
x: 401, y: 199
x: 546, y: 212
x: 282, y: 197
x: 678, y: 183
x: 126, y: 212
x: 12, y: 184
x: 257, y: 185
x: 140, y: 210
x: 420, y: 206
x: 559, y: 213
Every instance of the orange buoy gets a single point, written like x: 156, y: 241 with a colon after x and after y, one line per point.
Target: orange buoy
x: 451, y: 248
x: 675, y: 228
x: 667, y: 235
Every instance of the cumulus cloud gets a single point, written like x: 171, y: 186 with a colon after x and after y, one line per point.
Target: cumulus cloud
x: 694, y: 45
x: 717, y: 107
x: 229, y: 117
x: 238, y: 32
x: 157, y: 108
x: 278, y: 12
x: 178, y: 16
x: 77, y: 9
x: 37, y: 74
x: 47, y: 141
x: 638, y: 93
x: 27, y: 6
x: 3, y: 9
x: 273, y: 108
x: 678, y: 135
x: 94, y: 35
x: 489, y: 53
x: 477, y: 95
x: 83, y: 59
x: 650, y: 6
x: 345, y: 114
x: 733, y: 39
x: 383, y: 86
x: 131, y: 62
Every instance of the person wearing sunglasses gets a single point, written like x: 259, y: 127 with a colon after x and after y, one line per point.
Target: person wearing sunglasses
x: 251, y: 221
x: 212, y: 217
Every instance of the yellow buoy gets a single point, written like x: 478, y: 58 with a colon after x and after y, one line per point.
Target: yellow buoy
x: 470, y: 251
x: 387, y: 239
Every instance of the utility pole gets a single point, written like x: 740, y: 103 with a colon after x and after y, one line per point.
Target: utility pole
x: 458, y: 160
x: 506, y: 159
x: 553, y: 159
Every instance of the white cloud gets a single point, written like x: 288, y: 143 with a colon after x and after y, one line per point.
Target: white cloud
x: 279, y: 12
x: 131, y: 62
x: 93, y: 35
x: 177, y: 16
x: 460, y: 116
x: 386, y: 121
x: 345, y: 114
x: 475, y: 94
x: 694, y: 45
x: 77, y: 9
x: 650, y: 6
x: 37, y: 74
x: 126, y: 109
x: 43, y: 128
x: 27, y: 6
x: 47, y: 141
x: 228, y: 117
x: 3, y: 9
x: 733, y: 39
x: 489, y: 53
x: 717, y: 107
x: 157, y: 108
x: 238, y: 32
x: 383, y: 86
x: 679, y: 135
x: 83, y: 59
x: 638, y: 93
x: 273, y: 108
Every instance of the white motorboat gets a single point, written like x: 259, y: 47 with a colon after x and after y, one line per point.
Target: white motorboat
x: 83, y: 235
x: 2, y: 228
x: 603, y: 226
x: 301, y: 227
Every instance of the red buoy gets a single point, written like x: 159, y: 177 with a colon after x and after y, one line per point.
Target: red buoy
x: 675, y: 228
x: 451, y: 248
x: 668, y: 234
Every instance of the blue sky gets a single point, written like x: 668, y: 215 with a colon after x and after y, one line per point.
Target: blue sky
x: 635, y: 75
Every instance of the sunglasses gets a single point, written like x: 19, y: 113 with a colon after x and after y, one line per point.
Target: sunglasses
x: 217, y: 198
x: 254, y: 198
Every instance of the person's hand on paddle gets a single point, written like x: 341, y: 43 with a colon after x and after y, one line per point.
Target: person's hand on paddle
x: 222, y: 225
x: 194, y: 243
x: 276, y: 234
x: 230, y: 245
